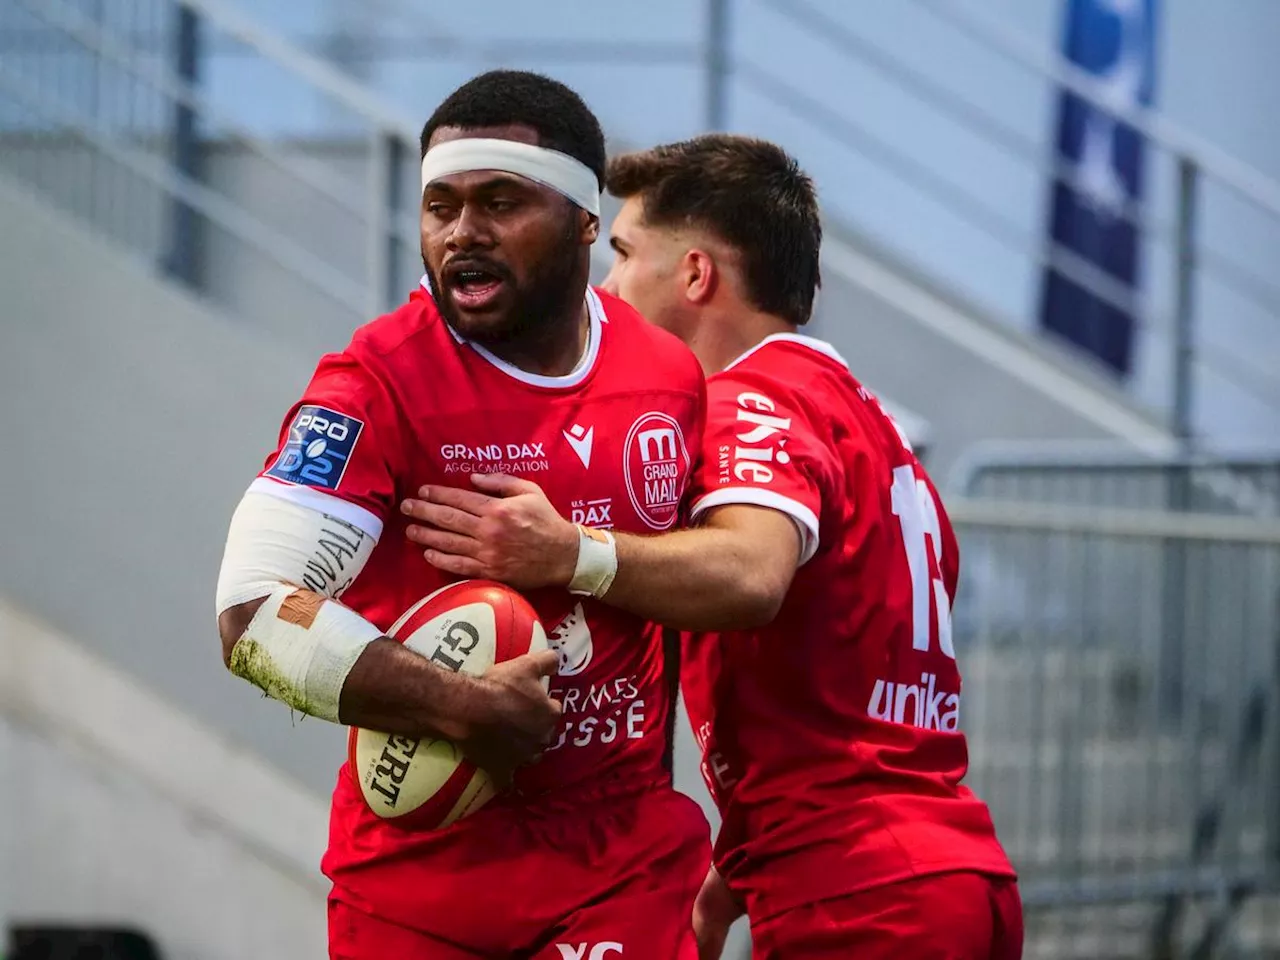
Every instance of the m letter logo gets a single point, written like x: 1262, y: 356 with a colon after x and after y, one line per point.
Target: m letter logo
x: 655, y: 466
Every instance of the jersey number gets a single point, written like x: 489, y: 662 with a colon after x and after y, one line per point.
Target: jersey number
x: 916, y: 510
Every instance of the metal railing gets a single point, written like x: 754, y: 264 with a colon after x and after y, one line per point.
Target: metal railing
x: 165, y: 165
x: 1133, y: 836
x: 1091, y: 475
x: 134, y: 74
x: 1198, y: 273
x: 1197, y: 160
x: 1202, y: 278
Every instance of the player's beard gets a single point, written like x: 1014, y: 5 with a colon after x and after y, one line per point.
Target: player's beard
x: 550, y: 296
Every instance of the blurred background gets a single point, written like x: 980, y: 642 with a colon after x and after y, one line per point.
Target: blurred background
x: 1053, y: 247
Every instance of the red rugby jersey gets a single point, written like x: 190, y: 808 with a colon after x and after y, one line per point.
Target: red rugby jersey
x: 830, y: 737
x: 612, y: 443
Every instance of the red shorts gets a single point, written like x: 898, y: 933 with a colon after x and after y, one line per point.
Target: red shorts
x: 356, y: 936
x: 591, y: 883
x: 948, y: 916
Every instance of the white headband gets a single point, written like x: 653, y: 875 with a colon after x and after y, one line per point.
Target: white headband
x: 551, y: 168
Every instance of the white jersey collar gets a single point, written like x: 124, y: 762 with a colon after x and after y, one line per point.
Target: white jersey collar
x: 580, y: 372
x: 811, y: 343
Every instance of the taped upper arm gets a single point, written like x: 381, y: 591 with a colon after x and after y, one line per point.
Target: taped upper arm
x: 276, y: 540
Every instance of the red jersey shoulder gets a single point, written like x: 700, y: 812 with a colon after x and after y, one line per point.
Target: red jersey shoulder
x: 384, y: 336
x: 348, y: 435
x: 653, y: 343
x: 810, y: 376
x: 789, y: 379
x: 796, y: 365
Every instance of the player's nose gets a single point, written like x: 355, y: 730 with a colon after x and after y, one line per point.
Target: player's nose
x: 469, y: 230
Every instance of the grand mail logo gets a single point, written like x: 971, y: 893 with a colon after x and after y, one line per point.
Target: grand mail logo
x: 656, y: 468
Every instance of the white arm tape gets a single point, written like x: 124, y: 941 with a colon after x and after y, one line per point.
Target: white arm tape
x: 597, y: 563
x: 273, y: 539
x: 300, y: 646
x: 299, y: 649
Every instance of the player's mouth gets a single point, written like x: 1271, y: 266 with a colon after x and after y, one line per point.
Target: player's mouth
x: 474, y: 288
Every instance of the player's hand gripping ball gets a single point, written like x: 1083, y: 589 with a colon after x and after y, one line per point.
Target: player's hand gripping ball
x: 468, y: 627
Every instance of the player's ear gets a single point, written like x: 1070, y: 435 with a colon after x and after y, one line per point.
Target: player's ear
x: 701, y: 275
x: 588, y: 228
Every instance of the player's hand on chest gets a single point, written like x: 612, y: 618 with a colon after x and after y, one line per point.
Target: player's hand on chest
x: 615, y: 465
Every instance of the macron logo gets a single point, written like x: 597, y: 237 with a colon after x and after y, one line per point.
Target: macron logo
x: 580, y: 439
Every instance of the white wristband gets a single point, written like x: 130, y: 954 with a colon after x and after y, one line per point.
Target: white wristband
x: 597, y: 563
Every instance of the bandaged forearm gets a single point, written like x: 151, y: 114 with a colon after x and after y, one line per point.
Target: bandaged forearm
x: 301, y: 644
x: 299, y: 648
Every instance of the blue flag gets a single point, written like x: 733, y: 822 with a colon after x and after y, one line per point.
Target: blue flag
x: 1100, y: 179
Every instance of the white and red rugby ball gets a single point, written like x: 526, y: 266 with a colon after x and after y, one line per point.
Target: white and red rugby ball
x: 467, y: 626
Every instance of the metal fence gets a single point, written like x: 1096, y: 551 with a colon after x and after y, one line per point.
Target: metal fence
x: 103, y: 108
x: 1135, y: 835
x: 1112, y: 477
x: 147, y: 117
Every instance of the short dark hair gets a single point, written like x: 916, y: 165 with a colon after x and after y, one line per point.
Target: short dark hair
x: 751, y: 194
x: 560, y: 117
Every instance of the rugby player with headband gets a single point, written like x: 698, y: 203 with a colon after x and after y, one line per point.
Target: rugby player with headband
x: 503, y: 359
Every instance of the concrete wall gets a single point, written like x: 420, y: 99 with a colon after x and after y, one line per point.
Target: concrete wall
x: 120, y: 810
x: 135, y: 417
x: 300, y: 262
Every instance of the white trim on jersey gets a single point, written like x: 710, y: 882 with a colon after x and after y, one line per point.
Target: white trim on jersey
x: 812, y: 343
x: 595, y: 314
x: 314, y: 499
x: 913, y: 425
x: 805, y: 520
x: 595, y: 303
x: 586, y: 363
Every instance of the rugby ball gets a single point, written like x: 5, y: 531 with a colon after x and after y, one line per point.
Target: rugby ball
x: 467, y: 627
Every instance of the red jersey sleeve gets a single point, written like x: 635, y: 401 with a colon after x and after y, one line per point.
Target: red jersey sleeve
x: 339, y: 447
x: 762, y: 447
